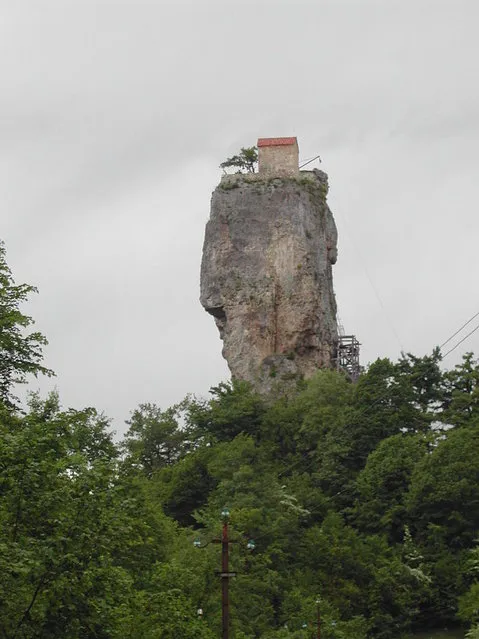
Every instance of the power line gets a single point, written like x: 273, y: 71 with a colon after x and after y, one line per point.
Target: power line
x: 462, y: 340
x: 359, y: 255
x: 458, y: 331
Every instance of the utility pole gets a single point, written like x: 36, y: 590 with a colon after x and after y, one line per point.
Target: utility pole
x: 225, y: 573
x: 318, y: 611
x: 225, y: 576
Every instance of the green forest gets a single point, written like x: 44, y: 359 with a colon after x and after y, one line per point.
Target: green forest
x: 363, y: 497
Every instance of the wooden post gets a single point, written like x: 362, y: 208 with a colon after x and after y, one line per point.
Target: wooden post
x: 225, y: 579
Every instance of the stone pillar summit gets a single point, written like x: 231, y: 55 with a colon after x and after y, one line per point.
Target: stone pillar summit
x: 266, y: 272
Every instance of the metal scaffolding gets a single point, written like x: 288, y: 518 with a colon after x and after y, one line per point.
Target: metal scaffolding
x: 347, y: 358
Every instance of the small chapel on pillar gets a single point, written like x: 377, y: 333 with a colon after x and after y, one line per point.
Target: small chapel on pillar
x: 278, y: 157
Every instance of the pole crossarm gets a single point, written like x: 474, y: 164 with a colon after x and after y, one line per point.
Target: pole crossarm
x: 198, y: 544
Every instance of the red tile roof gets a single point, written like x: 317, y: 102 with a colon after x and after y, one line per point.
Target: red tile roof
x: 276, y: 141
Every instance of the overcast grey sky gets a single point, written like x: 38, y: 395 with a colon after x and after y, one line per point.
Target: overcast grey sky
x: 114, y: 116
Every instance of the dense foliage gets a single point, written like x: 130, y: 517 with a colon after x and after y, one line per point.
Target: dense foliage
x: 365, y: 495
x: 20, y: 351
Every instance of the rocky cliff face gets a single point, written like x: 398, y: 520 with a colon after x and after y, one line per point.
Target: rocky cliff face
x: 266, y: 275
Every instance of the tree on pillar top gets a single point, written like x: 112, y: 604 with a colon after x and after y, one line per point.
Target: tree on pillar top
x: 245, y: 161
